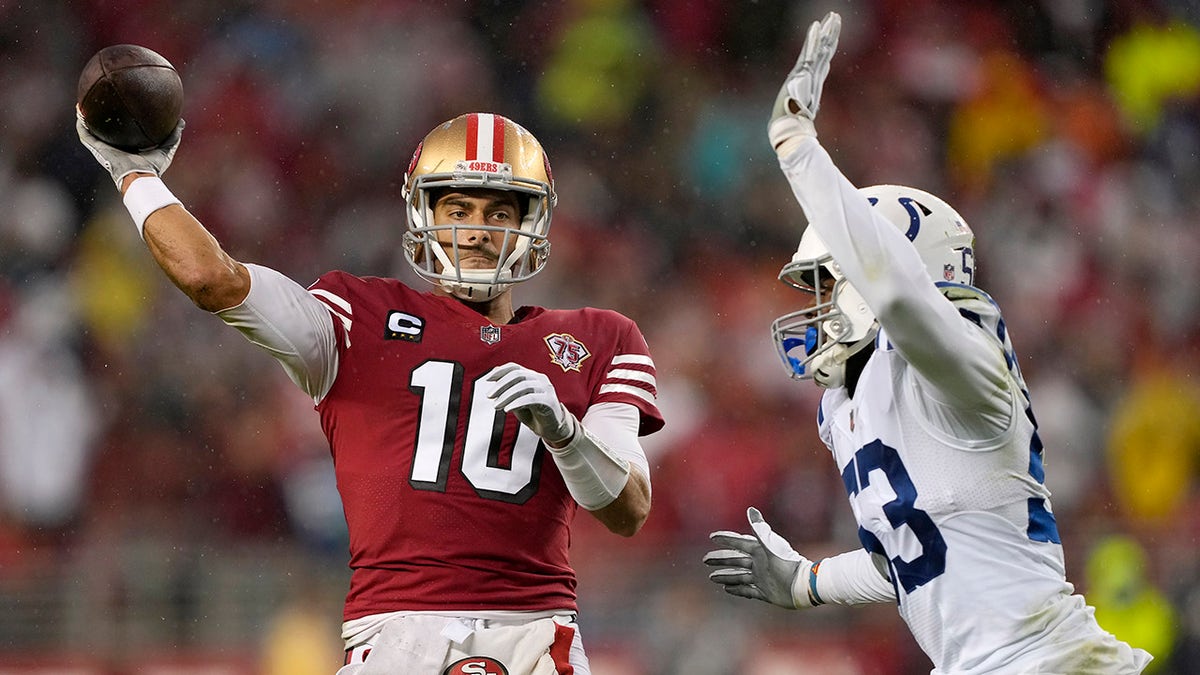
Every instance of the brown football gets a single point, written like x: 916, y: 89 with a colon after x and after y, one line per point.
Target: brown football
x: 130, y: 97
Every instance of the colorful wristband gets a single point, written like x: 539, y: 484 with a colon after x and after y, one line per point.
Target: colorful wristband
x: 813, y: 596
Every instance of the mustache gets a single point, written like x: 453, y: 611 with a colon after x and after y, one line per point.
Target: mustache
x: 486, y: 252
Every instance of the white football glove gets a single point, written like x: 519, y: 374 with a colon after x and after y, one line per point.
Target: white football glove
x: 530, y: 396
x: 120, y: 163
x: 763, y: 566
x: 800, y: 97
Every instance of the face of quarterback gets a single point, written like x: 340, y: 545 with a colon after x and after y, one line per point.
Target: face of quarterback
x: 477, y: 216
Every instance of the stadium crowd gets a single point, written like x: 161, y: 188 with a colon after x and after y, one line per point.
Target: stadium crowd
x: 134, y: 460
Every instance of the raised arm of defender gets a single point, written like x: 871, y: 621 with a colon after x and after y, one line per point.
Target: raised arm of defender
x: 925, y: 328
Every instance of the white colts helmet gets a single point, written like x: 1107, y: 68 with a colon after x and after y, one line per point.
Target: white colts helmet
x: 816, y: 341
x: 478, y: 150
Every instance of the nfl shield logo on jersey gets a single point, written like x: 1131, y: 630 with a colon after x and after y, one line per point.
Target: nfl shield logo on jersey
x: 948, y: 272
x: 489, y: 334
x: 476, y: 665
x: 566, y: 352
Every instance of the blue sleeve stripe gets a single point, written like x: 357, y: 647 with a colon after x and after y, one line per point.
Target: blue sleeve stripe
x: 971, y: 316
x: 1036, y: 451
x: 1042, y: 526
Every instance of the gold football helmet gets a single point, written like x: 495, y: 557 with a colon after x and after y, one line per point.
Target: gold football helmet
x: 478, y: 150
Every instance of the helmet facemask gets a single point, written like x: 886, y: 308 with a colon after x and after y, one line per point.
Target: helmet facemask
x: 522, y: 251
x: 815, y: 342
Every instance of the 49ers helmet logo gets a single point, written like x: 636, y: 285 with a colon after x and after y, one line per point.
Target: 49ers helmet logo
x: 476, y: 665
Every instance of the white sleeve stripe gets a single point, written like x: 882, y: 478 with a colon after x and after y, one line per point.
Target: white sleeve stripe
x: 626, y: 374
x: 639, y: 392
x: 636, y: 359
x: 340, y: 302
x: 333, y: 303
x: 346, y: 320
x: 345, y: 324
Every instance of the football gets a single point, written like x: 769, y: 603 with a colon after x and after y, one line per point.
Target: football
x: 130, y: 97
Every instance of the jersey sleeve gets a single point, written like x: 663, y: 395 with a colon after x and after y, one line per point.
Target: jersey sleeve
x: 629, y: 377
x: 292, y: 325
x: 854, y: 578
x: 958, y: 363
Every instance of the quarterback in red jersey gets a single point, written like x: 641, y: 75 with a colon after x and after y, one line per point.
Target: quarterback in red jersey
x: 465, y: 433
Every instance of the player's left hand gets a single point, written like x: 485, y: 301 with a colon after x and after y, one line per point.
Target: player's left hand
x: 762, y: 566
x: 530, y: 396
x: 800, y: 97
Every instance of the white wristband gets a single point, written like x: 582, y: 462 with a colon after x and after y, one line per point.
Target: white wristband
x: 145, y: 196
x: 593, y: 474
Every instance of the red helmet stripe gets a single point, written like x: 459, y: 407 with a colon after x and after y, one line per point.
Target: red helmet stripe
x: 472, y: 136
x: 497, y: 138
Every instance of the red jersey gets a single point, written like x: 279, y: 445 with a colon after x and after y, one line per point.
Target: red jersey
x: 451, y: 504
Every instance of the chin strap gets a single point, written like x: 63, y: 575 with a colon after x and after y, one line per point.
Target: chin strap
x: 472, y: 292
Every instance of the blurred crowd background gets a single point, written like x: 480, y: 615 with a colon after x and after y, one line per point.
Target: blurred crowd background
x: 166, y: 496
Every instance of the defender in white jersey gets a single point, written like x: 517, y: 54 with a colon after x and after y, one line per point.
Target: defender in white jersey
x: 466, y: 433
x: 929, y: 423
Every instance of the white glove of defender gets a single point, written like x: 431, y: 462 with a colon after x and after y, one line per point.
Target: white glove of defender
x: 530, y: 396
x: 120, y: 163
x: 763, y: 566
x: 800, y: 97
